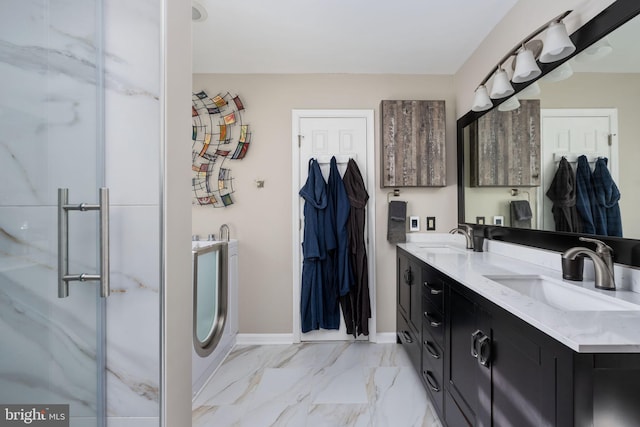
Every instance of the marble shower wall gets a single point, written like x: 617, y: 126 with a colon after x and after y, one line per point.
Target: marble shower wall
x: 132, y: 138
x: 48, y: 140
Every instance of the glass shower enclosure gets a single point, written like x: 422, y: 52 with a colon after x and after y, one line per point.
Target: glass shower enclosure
x: 51, y: 127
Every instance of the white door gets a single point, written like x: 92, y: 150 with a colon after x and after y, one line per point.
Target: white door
x: 573, y: 132
x: 321, y: 135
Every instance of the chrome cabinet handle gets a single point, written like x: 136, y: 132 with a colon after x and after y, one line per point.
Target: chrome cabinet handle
x: 432, y: 290
x: 432, y: 321
x: 433, y: 384
x: 431, y: 350
x: 484, y: 351
x: 407, y: 337
x: 64, y: 277
x: 474, y: 342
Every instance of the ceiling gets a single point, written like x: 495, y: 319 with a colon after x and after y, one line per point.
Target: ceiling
x: 342, y: 36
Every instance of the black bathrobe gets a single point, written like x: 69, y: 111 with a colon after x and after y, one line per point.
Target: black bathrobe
x: 562, y: 193
x: 359, y: 292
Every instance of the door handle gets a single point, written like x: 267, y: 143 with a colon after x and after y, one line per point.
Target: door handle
x: 474, y: 342
x: 64, y: 277
x: 408, y: 277
x: 484, y: 351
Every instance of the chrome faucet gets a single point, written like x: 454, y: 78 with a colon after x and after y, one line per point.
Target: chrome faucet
x: 602, y: 259
x: 467, y: 231
x: 224, y: 227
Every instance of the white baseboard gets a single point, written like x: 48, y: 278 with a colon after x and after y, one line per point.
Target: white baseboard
x: 261, y: 339
x: 386, y: 338
x: 266, y: 339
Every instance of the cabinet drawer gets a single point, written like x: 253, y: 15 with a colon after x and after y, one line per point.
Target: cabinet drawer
x: 433, y: 288
x: 410, y: 340
x: 433, y: 380
x: 433, y: 322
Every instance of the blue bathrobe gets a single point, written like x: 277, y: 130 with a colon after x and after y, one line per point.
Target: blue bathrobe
x: 607, y: 195
x: 338, y: 269
x: 314, y: 193
x: 585, y: 196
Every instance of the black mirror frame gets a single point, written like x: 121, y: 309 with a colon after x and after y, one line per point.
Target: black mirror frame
x: 626, y: 251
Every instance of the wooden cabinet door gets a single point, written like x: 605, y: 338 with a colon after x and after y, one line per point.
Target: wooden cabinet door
x: 505, y: 147
x: 413, y: 143
x: 461, y: 369
x: 404, y: 279
x: 416, y: 295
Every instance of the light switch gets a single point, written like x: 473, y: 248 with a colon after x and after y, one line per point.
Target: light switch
x: 431, y: 223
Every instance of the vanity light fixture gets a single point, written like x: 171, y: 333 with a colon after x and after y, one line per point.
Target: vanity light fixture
x: 481, y: 100
x: 501, y: 85
x: 596, y: 51
x: 557, y: 46
x: 526, y: 67
x: 563, y: 72
x: 510, y: 104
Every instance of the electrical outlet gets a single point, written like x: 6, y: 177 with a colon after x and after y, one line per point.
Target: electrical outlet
x: 480, y: 220
x: 414, y: 223
x: 431, y: 223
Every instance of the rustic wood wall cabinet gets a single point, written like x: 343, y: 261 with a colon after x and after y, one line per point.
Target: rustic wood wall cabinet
x: 505, y: 147
x: 413, y: 144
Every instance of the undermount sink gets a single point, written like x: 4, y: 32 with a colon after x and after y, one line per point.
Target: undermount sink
x: 560, y: 295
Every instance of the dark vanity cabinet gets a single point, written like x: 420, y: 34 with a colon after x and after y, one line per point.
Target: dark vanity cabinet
x: 500, y: 371
x: 409, y: 310
x: 483, y: 366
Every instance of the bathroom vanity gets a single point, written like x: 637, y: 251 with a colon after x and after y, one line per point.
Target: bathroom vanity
x: 492, y: 352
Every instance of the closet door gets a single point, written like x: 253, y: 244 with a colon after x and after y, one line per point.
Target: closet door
x: 321, y: 138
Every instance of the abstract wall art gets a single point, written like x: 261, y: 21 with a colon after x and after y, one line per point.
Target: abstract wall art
x: 218, y: 134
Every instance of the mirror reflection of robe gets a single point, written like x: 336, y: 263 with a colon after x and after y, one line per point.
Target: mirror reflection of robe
x: 562, y: 193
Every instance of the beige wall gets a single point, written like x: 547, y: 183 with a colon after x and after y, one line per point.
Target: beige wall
x: 261, y: 218
x: 522, y: 19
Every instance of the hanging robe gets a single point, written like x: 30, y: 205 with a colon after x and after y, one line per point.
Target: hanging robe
x: 607, y: 195
x: 337, y: 269
x: 585, y: 197
x: 314, y: 193
x: 562, y: 193
x: 359, y: 293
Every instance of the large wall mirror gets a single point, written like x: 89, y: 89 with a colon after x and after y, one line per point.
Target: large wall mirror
x: 588, y: 105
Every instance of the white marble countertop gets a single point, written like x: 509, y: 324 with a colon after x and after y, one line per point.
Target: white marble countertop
x: 582, y: 331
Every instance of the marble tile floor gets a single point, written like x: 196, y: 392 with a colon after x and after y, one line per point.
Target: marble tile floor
x: 315, y: 385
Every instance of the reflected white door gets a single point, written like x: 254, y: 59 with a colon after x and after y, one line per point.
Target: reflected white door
x: 344, y: 134
x: 50, y: 120
x: 573, y: 132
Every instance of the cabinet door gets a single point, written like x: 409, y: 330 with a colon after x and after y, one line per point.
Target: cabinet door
x: 523, y: 375
x: 505, y: 147
x: 413, y: 143
x: 462, y: 368
x: 416, y: 295
x: 404, y: 279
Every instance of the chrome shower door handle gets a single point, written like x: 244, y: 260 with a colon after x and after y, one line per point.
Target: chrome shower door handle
x: 63, y: 242
x: 64, y: 277
x: 105, y: 277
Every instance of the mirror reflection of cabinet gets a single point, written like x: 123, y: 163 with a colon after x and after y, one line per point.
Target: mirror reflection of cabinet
x: 505, y: 147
